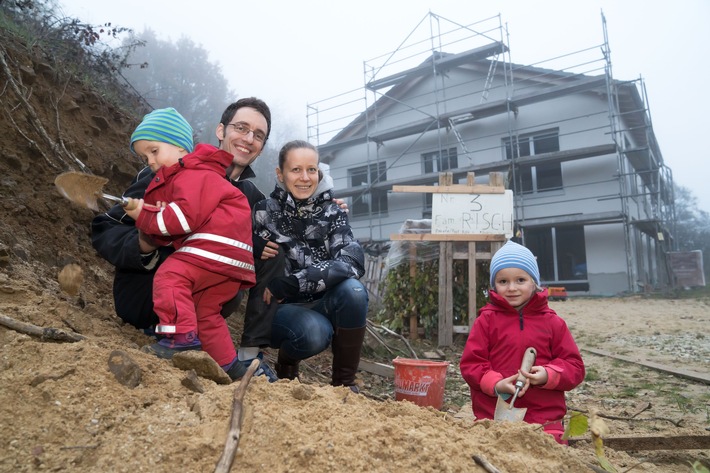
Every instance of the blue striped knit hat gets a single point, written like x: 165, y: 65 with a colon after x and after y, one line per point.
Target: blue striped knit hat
x: 512, y: 255
x: 165, y: 125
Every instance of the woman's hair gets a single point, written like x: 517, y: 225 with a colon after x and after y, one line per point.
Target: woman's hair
x: 251, y: 102
x: 295, y: 144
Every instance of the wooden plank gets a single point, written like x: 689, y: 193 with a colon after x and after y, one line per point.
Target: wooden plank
x: 452, y: 189
x: 679, y: 442
x: 682, y: 373
x: 379, y: 369
x: 445, y: 237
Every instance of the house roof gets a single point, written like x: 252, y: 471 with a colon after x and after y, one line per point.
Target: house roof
x: 555, y: 84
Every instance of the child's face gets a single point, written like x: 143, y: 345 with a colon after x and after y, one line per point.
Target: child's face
x: 515, y: 286
x: 158, y: 154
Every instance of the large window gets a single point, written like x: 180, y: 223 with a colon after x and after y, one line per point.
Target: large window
x: 437, y: 161
x: 370, y: 201
x: 561, y: 255
x: 540, y: 177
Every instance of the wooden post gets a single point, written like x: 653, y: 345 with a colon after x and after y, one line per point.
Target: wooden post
x: 446, y: 241
x: 446, y: 280
x: 472, y: 309
x: 413, y: 316
x: 446, y: 294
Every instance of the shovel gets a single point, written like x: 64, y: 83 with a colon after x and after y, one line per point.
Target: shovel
x: 85, y: 189
x: 505, y: 411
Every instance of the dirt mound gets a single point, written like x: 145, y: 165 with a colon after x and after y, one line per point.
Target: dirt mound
x: 61, y: 408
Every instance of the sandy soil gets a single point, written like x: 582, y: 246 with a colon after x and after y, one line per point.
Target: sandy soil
x: 62, y: 409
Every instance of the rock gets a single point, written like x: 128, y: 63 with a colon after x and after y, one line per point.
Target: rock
x: 192, y: 382
x: 101, y: 122
x: 303, y: 392
x: 126, y: 371
x: 28, y: 75
x: 70, y: 278
x: 202, y: 364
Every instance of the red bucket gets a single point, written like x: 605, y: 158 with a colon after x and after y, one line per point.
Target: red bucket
x: 420, y: 381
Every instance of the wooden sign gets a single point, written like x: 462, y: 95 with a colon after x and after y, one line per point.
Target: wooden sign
x: 687, y: 267
x: 488, y: 214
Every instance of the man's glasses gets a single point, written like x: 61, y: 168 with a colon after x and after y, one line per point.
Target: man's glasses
x: 242, y: 129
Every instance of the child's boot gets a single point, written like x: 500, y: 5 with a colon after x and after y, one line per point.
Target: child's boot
x: 167, y: 347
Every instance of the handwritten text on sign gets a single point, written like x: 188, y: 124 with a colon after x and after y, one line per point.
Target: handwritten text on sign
x: 473, y: 213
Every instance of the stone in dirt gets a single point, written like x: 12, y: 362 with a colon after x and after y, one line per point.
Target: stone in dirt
x: 202, y: 364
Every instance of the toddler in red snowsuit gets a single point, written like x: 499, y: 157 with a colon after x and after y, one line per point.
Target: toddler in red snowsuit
x: 193, y: 207
x: 516, y: 317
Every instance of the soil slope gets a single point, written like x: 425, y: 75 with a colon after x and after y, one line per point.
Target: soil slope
x: 62, y: 409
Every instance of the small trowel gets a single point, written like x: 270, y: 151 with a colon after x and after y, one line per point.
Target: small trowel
x: 505, y: 411
x: 85, y: 189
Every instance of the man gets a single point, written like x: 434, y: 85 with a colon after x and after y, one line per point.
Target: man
x: 243, y: 131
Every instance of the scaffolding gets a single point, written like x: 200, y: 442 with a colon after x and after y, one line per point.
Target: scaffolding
x: 391, y: 118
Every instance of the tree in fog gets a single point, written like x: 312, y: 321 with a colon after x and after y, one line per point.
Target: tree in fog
x: 283, y: 130
x: 180, y: 75
x: 692, y: 230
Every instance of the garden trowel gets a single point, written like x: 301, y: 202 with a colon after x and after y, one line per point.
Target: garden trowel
x: 85, y: 189
x: 505, y: 411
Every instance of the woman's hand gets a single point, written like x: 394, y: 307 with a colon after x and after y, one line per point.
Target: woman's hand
x: 267, y: 296
x: 342, y: 204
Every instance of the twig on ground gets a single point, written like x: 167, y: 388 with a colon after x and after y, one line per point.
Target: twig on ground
x: 395, y: 334
x: 235, y: 425
x: 633, y: 418
x: 484, y: 463
x: 44, y: 333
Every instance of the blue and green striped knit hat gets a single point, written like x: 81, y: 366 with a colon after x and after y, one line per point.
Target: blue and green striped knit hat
x: 165, y: 125
x: 513, y: 255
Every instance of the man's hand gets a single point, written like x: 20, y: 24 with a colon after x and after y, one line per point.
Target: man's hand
x: 146, y: 243
x: 270, y: 250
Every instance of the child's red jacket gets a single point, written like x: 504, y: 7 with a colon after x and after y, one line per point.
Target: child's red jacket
x: 207, y: 219
x: 495, y: 349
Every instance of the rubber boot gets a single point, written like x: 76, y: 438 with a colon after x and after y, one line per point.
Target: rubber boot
x: 286, y: 367
x: 346, y: 346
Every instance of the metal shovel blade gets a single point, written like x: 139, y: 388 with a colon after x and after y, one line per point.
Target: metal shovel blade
x: 505, y: 412
x: 83, y: 189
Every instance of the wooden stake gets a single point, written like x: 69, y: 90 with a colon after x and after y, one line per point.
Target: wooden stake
x: 235, y: 424
x: 44, y: 333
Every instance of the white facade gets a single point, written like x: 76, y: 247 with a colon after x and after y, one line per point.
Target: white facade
x: 593, y: 199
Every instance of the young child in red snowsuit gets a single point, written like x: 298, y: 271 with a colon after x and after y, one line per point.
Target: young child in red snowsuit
x: 516, y: 317
x: 191, y: 205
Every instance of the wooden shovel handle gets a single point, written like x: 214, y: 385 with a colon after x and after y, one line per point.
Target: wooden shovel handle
x: 528, y: 362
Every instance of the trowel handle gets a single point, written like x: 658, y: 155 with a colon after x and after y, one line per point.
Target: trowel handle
x: 128, y: 203
x: 526, y: 365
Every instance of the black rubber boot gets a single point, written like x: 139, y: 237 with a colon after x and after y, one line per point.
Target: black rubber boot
x: 346, y: 346
x: 286, y: 367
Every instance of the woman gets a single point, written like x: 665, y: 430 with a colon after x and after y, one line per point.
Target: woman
x: 320, y: 296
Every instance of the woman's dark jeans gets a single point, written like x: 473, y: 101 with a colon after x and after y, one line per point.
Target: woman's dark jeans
x: 304, y: 330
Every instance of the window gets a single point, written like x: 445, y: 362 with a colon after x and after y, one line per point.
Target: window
x: 370, y: 201
x: 561, y: 255
x: 437, y: 161
x: 540, y: 177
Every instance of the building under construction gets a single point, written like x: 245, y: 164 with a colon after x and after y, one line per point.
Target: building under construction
x: 593, y: 198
